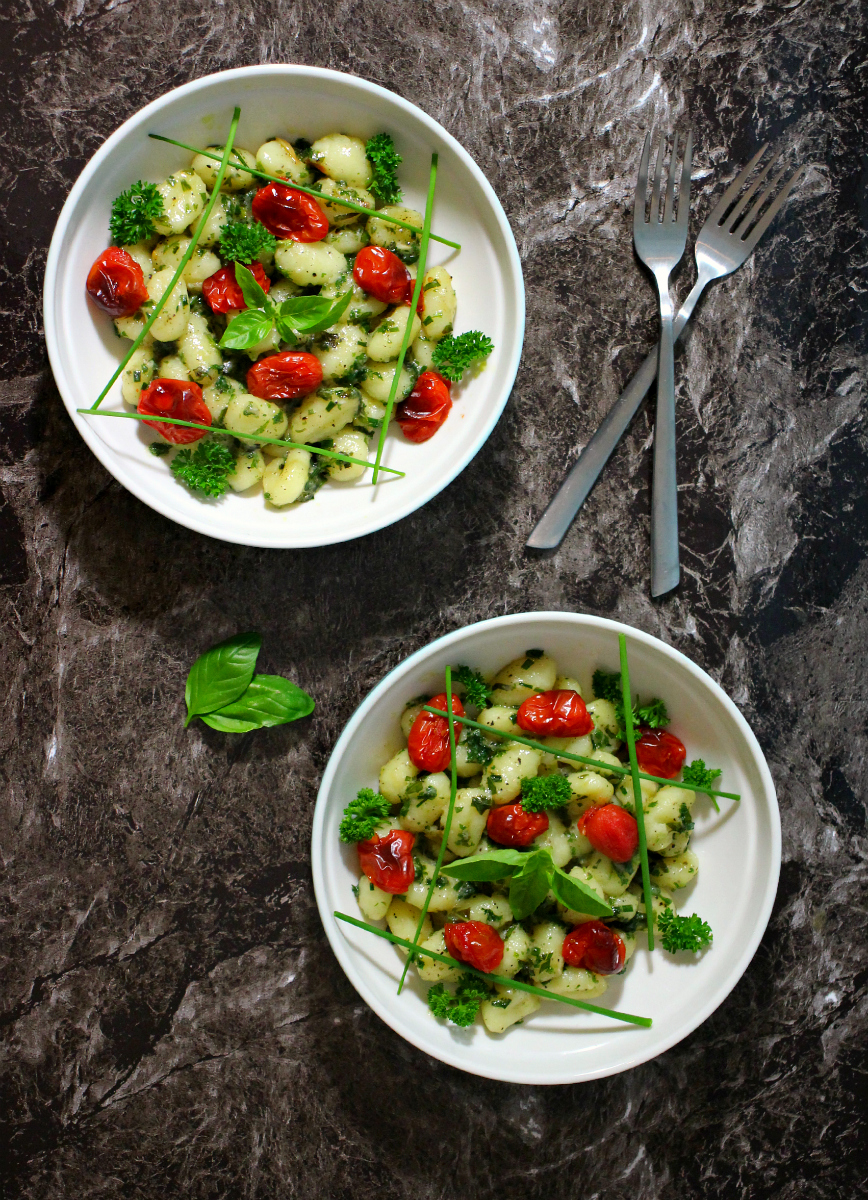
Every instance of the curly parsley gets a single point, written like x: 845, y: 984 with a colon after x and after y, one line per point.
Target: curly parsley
x: 476, y: 690
x: 683, y: 933
x: 607, y: 686
x: 454, y: 355
x: 204, y: 469
x: 385, y: 160
x: 545, y: 791
x: 698, y: 777
x: 462, y: 1007
x: 134, y: 212
x: 243, y: 243
x: 363, y: 815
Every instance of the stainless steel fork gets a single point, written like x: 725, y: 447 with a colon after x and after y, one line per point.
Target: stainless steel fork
x: 660, y: 242
x: 728, y: 237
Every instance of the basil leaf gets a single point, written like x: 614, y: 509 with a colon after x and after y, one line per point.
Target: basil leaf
x: 254, y: 294
x: 312, y: 314
x: 333, y: 315
x: 270, y: 700
x: 530, y: 886
x: 221, y: 674
x: 246, y: 330
x: 577, y: 896
x: 286, y: 332
x: 499, y: 864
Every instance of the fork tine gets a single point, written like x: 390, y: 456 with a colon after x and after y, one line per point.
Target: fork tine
x: 735, y: 187
x: 640, y: 197
x: 658, y: 173
x: 669, y: 203
x: 684, y: 185
x: 734, y: 216
x: 760, y: 228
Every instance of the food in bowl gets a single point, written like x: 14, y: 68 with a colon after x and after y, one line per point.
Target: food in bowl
x: 284, y: 333
x: 539, y: 877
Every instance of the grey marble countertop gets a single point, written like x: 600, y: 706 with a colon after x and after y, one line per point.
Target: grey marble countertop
x: 173, y: 1020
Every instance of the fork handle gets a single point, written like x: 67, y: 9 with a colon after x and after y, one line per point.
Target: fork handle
x: 552, y: 526
x: 665, y: 567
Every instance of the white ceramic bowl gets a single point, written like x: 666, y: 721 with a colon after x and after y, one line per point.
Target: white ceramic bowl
x: 739, y: 852
x: 294, y: 101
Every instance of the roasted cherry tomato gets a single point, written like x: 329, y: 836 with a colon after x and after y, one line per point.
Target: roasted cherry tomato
x: 660, y: 753
x: 428, y: 743
x: 426, y: 408
x: 382, y: 275
x: 611, y: 830
x: 289, y: 213
x: 223, y: 292
x: 115, y: 282
x: 388, y: 861
x: 555, y: 714
x: 179, y: 399
x: 474, y: 943
x: 511, y: 825
x: 595, y: 947
x: 287, y: 376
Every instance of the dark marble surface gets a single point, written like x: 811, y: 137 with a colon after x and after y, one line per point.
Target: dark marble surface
x: 173, y: 1021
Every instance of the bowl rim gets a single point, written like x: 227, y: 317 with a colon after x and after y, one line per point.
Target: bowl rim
x: 54, y: 262
x: 344, y: 951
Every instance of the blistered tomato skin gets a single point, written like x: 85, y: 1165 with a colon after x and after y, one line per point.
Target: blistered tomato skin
x: 388, y: 861
x: 287, y: 376
x: 511, y: 825
x: 660, y: 753
x: 428, y: 743
x: 289, y: 214
x: 116, y: 283
x: 426, y: 408
x: 612, y: 831
x: 474, y: 943
x: 223, y: 292
x: 382, y: 275
x: 595, y: 947
x: 179, y: 399
x: 555, y: 714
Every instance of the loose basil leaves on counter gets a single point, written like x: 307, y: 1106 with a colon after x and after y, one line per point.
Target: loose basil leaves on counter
x: 223, y: 691
x: 531, y: 876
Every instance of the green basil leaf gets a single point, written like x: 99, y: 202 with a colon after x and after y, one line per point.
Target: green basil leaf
x: 530, y: 886
x: 246, y: 330
x: 577, y: 896
x: 499, y: 864
x: 254, y: 294
x: 221, y: 674
x: 333, y: 315
x: 285, y: 331
x: 270, y: 700
x: 312, y: 314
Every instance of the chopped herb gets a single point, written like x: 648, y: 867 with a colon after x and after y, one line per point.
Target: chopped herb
x: 454, y: 355
x: 465, y: 890
x: 477, y: 748
x: 476, y: 690
x: 363, y: 815
x: 159, y: 449
x: 243, y: 243
x: 685, y: 821
x: 204, y: 469
x: 688, y: 933
x: 462, y: 1007
x: 134, y: 212
x: 385, y: 160
x: 545, y: 791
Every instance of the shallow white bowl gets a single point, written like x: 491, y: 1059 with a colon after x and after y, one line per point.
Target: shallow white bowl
x: 739, y: 852
x: 292, y: 101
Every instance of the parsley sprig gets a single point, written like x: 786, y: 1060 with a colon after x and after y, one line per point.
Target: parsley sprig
x: 134, y: 213
x: 607, y: 686
x: 462, y: 1006
x: 296, y: 317
x: 476, y: 690
x: 385, y: 160
x: 242, y: 243
x: 363, y: 815
x: 545, y: 791
x: 454, y: 355
x: 689, y: 933
x: 698, y: 777
x: 206, y: 468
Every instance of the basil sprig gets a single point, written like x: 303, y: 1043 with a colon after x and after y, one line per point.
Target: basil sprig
x: 532, y: 875
x: 299, y: 316
x: 223, y: 691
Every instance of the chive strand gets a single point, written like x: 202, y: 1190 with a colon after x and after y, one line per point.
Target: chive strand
x: 580, y: 758
x: 359, y: 208
x: 158, y: 307
x: 453, y: 791
x: 417, y: 288
x: 252, y: 437
x: 517, y: 984
x: 637, y: 790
